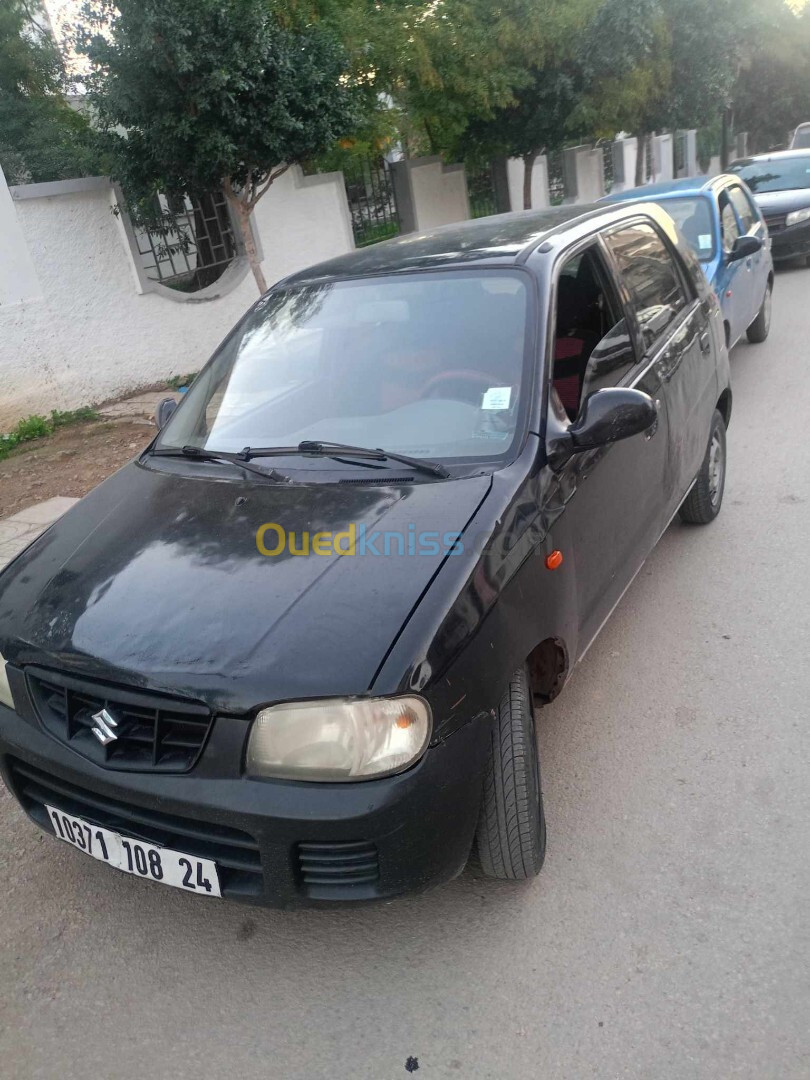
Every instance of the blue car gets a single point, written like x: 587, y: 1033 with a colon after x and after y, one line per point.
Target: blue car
x: 725, y: 228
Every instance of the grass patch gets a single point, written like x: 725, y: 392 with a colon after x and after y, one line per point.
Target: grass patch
x: 177, y: 381
x: 37, y: 427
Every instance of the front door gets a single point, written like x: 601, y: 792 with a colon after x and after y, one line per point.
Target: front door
x: 756, y: 265
x: 733, y: 278
x: 613, y: 496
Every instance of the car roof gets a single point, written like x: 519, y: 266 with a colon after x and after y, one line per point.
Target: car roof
x: 776, y: 155
x: 687, y: 185
x: 502, y: 239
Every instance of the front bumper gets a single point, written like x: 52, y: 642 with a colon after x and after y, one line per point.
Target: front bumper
x: 276, y: 843
x: 791, y: 243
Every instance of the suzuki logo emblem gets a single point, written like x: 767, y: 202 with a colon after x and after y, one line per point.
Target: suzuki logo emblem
x: 104, y: 730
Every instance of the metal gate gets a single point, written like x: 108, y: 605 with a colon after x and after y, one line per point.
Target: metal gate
x: 481, y: 192
x: 372, y: 202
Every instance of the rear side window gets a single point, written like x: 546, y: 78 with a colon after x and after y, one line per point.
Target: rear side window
x: 742, y: 204
x: 651, y: 275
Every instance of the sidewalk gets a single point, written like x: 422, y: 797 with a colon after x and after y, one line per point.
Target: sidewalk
x: 19, y: 530
x: 44, y: 469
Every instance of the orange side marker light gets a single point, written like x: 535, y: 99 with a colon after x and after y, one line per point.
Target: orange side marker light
x: 554, y: 560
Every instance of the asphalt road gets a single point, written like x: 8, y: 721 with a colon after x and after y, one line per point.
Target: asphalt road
x: 667, y: 936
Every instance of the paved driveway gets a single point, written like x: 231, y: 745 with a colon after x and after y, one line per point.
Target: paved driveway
x: 667, y: 936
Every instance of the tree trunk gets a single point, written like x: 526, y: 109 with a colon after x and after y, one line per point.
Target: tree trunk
x: 243, y: 217
x: 641, y: 150
x: 528, y: 173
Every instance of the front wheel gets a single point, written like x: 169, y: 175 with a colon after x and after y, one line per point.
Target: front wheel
x: 511, y: 835
x: 760, y: 327
x: 703, y: 502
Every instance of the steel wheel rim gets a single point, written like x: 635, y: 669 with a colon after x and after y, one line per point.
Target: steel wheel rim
x: 717, y: 469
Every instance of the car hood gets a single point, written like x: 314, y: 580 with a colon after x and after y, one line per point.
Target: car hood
x: 156, y: 580
x: 782, y: 202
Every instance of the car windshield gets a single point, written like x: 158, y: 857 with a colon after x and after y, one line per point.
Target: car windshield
x: 784, y: 175
x: 429, y: 365
x: 801, y: 140
x: 693, y: 216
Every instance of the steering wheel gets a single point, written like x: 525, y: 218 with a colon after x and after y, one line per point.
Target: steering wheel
x: 461, y: 375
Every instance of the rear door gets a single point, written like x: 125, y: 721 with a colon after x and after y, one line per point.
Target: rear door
x: 673, y: 321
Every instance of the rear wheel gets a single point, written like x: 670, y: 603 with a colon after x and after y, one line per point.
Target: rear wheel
x: 703, y: 502
x: 511, y: 835
x: 760, y: 327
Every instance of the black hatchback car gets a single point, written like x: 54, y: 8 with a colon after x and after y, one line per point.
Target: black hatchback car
x: 292, y: 653
x: 781, y: 185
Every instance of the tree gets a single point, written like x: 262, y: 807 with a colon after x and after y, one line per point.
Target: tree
x: 218, y: 94
x: 41, y: 137
x: 771, y: 95
x: 543, y: 42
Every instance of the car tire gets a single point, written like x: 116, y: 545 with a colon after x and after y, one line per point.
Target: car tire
x: 702, y: 504
x: 511, y: 833
x: 760, y: 328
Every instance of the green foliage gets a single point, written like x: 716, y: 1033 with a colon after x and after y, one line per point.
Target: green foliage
x: 772, y: 91
x: 177, y: 381
x: 37, y: 427
x: 210, y: 92
x: 218, y: 94
x: 41, y: 137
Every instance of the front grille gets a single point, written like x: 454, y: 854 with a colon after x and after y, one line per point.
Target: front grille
x: 776, y: 222
x: 235, y: 853
x: 337, y: 869
x: 152, y: 733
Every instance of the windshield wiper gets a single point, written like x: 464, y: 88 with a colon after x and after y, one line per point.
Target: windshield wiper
x: 198, y: 454
x: 331, y: 449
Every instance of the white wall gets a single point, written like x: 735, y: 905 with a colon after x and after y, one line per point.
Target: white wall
x: 663, y: 157
x: 18, y: 278
x: 91, y: 334
x: 590, y: 175
x: 628, y: 150
x: 439, y: 193
x: 515, y: 175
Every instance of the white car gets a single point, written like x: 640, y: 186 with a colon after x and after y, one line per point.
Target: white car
x: 801, y: 138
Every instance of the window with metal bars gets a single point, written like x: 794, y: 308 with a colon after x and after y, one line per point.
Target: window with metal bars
x: 190, y: 243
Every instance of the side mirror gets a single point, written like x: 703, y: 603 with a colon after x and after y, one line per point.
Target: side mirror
x: 164, y: 411
x: 605, y: 417
x: 744, y: 247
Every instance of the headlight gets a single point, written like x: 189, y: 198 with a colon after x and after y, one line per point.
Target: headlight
x: 5, y: 689
x: 337, y: 739
x: 798, y: 216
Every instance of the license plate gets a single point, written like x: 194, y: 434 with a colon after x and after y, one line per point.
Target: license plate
x: 135, y: 857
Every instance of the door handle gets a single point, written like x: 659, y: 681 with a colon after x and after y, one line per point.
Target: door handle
x: 704, y: 337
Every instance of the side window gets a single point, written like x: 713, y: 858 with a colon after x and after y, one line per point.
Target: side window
x: 728, y: 222
x: 592, y: 343
x: 744, y: 208
x: 651, y: 276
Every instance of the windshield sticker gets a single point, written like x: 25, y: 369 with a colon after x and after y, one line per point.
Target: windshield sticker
x: 497, y: 397
x: 705, y: 241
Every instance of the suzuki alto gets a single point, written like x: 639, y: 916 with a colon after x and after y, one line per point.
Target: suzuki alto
x: 293, y: 653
